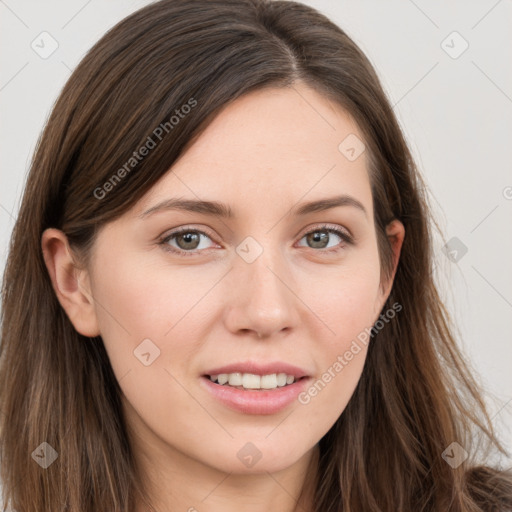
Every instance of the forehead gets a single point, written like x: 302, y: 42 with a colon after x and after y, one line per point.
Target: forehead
x: 276, y: 144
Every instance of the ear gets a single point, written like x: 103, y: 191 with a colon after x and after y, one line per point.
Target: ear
x: 71, y: 284
x: 395, y: 232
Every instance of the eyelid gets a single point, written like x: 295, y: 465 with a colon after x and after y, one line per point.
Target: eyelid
x: 163, y: 239
x: 341, y: 231
x: 181, y: 229
x: 327, y: 226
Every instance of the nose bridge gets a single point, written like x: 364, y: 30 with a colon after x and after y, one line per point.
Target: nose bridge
x: 264, y: 300
x: 265, y: 270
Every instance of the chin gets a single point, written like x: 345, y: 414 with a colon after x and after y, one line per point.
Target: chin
x: 257, y: 456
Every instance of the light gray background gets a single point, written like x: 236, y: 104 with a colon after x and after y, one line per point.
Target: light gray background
x: 456, y: 114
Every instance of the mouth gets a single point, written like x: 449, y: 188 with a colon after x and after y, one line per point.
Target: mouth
x: 254, y: 382
x: 250, y: 393
x: 253, y: 387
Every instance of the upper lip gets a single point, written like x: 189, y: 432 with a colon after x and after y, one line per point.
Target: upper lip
x: 260, y: 369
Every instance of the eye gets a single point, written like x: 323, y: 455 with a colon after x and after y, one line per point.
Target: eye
x: 188, y: 241
x: 320, y: 236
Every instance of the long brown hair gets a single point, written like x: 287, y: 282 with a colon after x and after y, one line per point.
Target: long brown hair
x: 416, y: 395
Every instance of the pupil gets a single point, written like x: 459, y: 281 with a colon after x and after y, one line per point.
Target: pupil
x: 189, y: 238
x: 319, y: 237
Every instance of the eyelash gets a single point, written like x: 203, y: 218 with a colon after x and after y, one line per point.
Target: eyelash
x: 347, y: 239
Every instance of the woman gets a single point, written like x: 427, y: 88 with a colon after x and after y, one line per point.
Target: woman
x: 219, y: 292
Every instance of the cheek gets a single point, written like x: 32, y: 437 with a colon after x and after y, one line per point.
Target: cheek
x: 150, y: 321
x: 348, y: 307
x: 350, y: 300
x: 142, y: 294
x: 137, y: 300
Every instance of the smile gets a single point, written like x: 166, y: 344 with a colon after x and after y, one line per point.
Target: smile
x: 240, y: 380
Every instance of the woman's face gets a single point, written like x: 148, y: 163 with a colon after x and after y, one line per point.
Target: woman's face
x: 255, y: 293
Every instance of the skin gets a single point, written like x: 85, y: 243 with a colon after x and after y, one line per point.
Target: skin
x: 263, y: 155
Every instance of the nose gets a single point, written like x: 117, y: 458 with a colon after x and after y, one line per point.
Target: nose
x: 262, y: 296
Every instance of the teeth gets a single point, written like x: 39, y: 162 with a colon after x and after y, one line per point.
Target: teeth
x: 223, y: 378
x: 235, y: 379
x: 281, y: 379
x: 252, y: 381
x: 269, y: 381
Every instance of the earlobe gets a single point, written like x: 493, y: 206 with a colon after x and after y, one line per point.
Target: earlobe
x: 71, y: 285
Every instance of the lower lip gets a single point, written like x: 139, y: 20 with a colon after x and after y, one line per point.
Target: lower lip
x: 253, y: 401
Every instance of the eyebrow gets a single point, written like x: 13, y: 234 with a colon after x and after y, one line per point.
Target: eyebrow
x: 217, y: 209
